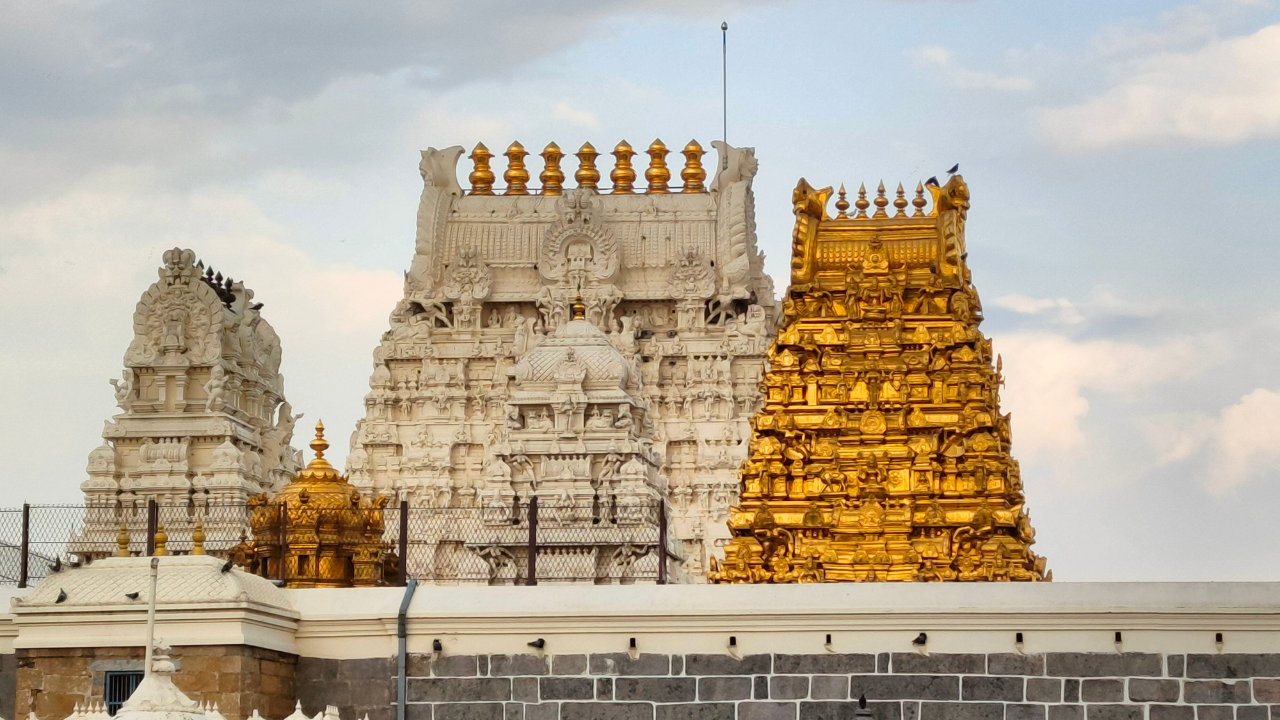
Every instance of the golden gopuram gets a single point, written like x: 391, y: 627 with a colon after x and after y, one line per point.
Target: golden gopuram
x: 318, y: 531
x: 880, y: 453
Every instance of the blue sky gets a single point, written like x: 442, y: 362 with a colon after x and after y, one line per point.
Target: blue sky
x: 1122, y: 158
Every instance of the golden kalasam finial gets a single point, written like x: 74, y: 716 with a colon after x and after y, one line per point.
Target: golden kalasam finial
x: 900, y: 203
x: 579, y: 309
x: 161, y: 539
x: 319, y: 444
x: 122, y: 541
x: 693, y: 173
x: 551, y: 177
x: 861, y: 203
x: 482, y: 177
x: 657, y: 173
x: 842, y: 205
x: 918, y: 201
x: 623, y: 174
x: 881, y: 202
x: 197, y: 538
x: 516, y: 175
x: 587, y: 175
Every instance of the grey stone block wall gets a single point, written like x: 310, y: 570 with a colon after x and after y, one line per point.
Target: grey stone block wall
x: 8, y: 684
x: 898, y: 686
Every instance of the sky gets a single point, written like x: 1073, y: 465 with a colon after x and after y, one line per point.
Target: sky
x: 1121, y: 156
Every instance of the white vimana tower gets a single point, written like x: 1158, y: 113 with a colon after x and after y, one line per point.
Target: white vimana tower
x: 486, y: 388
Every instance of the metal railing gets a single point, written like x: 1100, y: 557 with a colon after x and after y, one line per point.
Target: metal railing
x: 512, y: 543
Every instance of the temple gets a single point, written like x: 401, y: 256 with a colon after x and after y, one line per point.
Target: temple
x: 880, y: 452
x: 203, y: 421
x: 489, y: 390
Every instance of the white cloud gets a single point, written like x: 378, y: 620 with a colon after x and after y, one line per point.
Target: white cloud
x: 1064, y: 310
x: 942, y: 61
x: 1227, y: 91
x: 1235, y: 447
x: 577, y: 117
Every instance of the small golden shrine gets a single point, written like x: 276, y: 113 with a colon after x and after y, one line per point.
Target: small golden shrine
x: 880, y: 452
x: 325, y: 534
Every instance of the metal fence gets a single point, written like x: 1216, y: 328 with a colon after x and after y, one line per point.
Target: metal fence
x: 513, y: 543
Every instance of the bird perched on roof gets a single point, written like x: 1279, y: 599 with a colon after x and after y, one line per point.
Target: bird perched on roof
x: 226, y: 567
x: 921, y: 639
x: 62, y: 596
x: 932, y: 182
x: 538, y: 644
x: 56, y: 566
x: 954, y: 169
x: 132, y: 596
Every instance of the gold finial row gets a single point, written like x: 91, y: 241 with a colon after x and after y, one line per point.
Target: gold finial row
x: 881, y: 201
x: 623, y: 176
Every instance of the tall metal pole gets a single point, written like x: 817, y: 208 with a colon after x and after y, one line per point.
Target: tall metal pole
x: 662, y: 542
x: 724, y: 82
x: 532, y: 571
x: 151, y: 617
x: 404, y: 543
x: 24, y: 562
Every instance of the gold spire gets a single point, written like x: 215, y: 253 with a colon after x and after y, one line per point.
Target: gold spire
x: 516, y: 175
x: 842, y: 205
x: 861, y: 203
x: 881, y: 202
x: 197, y: 538
x: 551, y: 177
x: 122, y: 541
x: 880, y: 452
x: 587, y: 175
x: 161, y: 540
x: 918, y: 201
x: 579, y: 309
x: 319, y: 469
x: 481, y: 178
x: 693, y: 173
x: 623, y: 175
x: 900, y: 202
x: 657, y: 174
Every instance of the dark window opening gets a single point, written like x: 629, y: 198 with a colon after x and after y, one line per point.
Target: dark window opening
x: 119, y: 686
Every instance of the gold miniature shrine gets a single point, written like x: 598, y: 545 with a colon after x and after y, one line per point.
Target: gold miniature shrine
x: 880, y: 452
x: 320, y: 528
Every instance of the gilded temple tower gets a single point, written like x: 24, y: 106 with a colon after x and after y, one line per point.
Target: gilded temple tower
x: 881, y: 453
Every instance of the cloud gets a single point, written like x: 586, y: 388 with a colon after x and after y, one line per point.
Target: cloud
x: 1225, y: 92
x: 942, y: 62
x: 1238, y: 445
x: 1064, y: 310
x: 577, y: 117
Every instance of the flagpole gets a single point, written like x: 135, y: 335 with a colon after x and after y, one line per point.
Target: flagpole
x: 724, y: 81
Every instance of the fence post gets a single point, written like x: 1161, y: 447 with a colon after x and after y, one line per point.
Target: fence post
x: 532, y: 578
x: 24, y: 570
x: 662, y: 542
x: 284, y: 537
x: 404, y: 543
x: 153, y: 519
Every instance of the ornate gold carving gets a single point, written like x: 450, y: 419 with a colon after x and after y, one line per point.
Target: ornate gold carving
x: 880, y: 452
x: 516, y: 175
x: 482, y: 177
x: 693, y: 173
x: 587, y: 175
x: 623, y: 175
x: 318, y: 531
x: 658, y: 174
x: 551, y: 177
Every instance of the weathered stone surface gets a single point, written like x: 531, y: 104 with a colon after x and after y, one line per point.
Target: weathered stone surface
x: 1071, y: 691
x: 1176, y: 664
x: 905, y: 687
x: 664, y: 690
x: 992, y: 688
x: 1266, y: 690
x: 677, y: 664
x: 961, y: 711
x: 604, y: 688
x: 450, y: 690
x: 1214, y: 712
x: 767, y: 711
x: 469, y: 711
x: 1113, y: 712
x: 1252, y: 712
x: 1103, y: 665
x: 1015, y: 664
x: 695, y: 711
x: 623, y: 664
x: 1144, y: 690
x: 514, y: 711
x: 727, y: 664
x: 505, y: 665
x: 449, y: 666
x: 605, y: 711
x: 1104, y: 691
x: 829, y: 687
x: 524, y: 689
x: 1172, y: 712
x: 568, y: 664
x: 727, y: 688
x: 1024, y: 712
x: 939, y: 663
x: 882, y: 663
x: 1195, y: 692
x: 421, y: 711
x: 829, y: 664
x: 1044, y: 690
x: 788, y: 687
x: 542, y: 711
x: 1233, y: 665
x: 1066, y: 712
x: 566, y: 688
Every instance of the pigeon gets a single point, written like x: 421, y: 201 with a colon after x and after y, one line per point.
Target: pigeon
x: 256, y: 306
x: 954, y: 169
x: 538, y: 644
x: 862, y: 702
x: 132, y: 596
x: 226, y: 566
x: 920, y: 639
x: 932, y: 182
x: 62, y: 595
x: 56, y: 566
x: 436, y: 646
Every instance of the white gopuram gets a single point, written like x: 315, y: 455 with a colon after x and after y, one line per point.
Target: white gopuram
x: 203, y: 421
x: 670, y: 279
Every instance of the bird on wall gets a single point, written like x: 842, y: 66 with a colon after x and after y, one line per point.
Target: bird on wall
x: 132, y: 596
x: 954, y: 169
x: 921, y: 639
x: 538, y: 644
x: 226, y: 567
x: 62, y: 596
x: 56, y: 566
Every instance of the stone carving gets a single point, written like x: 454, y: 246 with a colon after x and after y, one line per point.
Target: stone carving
x: 201, y: 384
x: 493, y: 283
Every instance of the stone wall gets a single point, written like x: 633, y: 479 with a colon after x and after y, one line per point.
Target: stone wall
x: 238, y: 678
x: 8, y: 683
x: 898, y: 686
